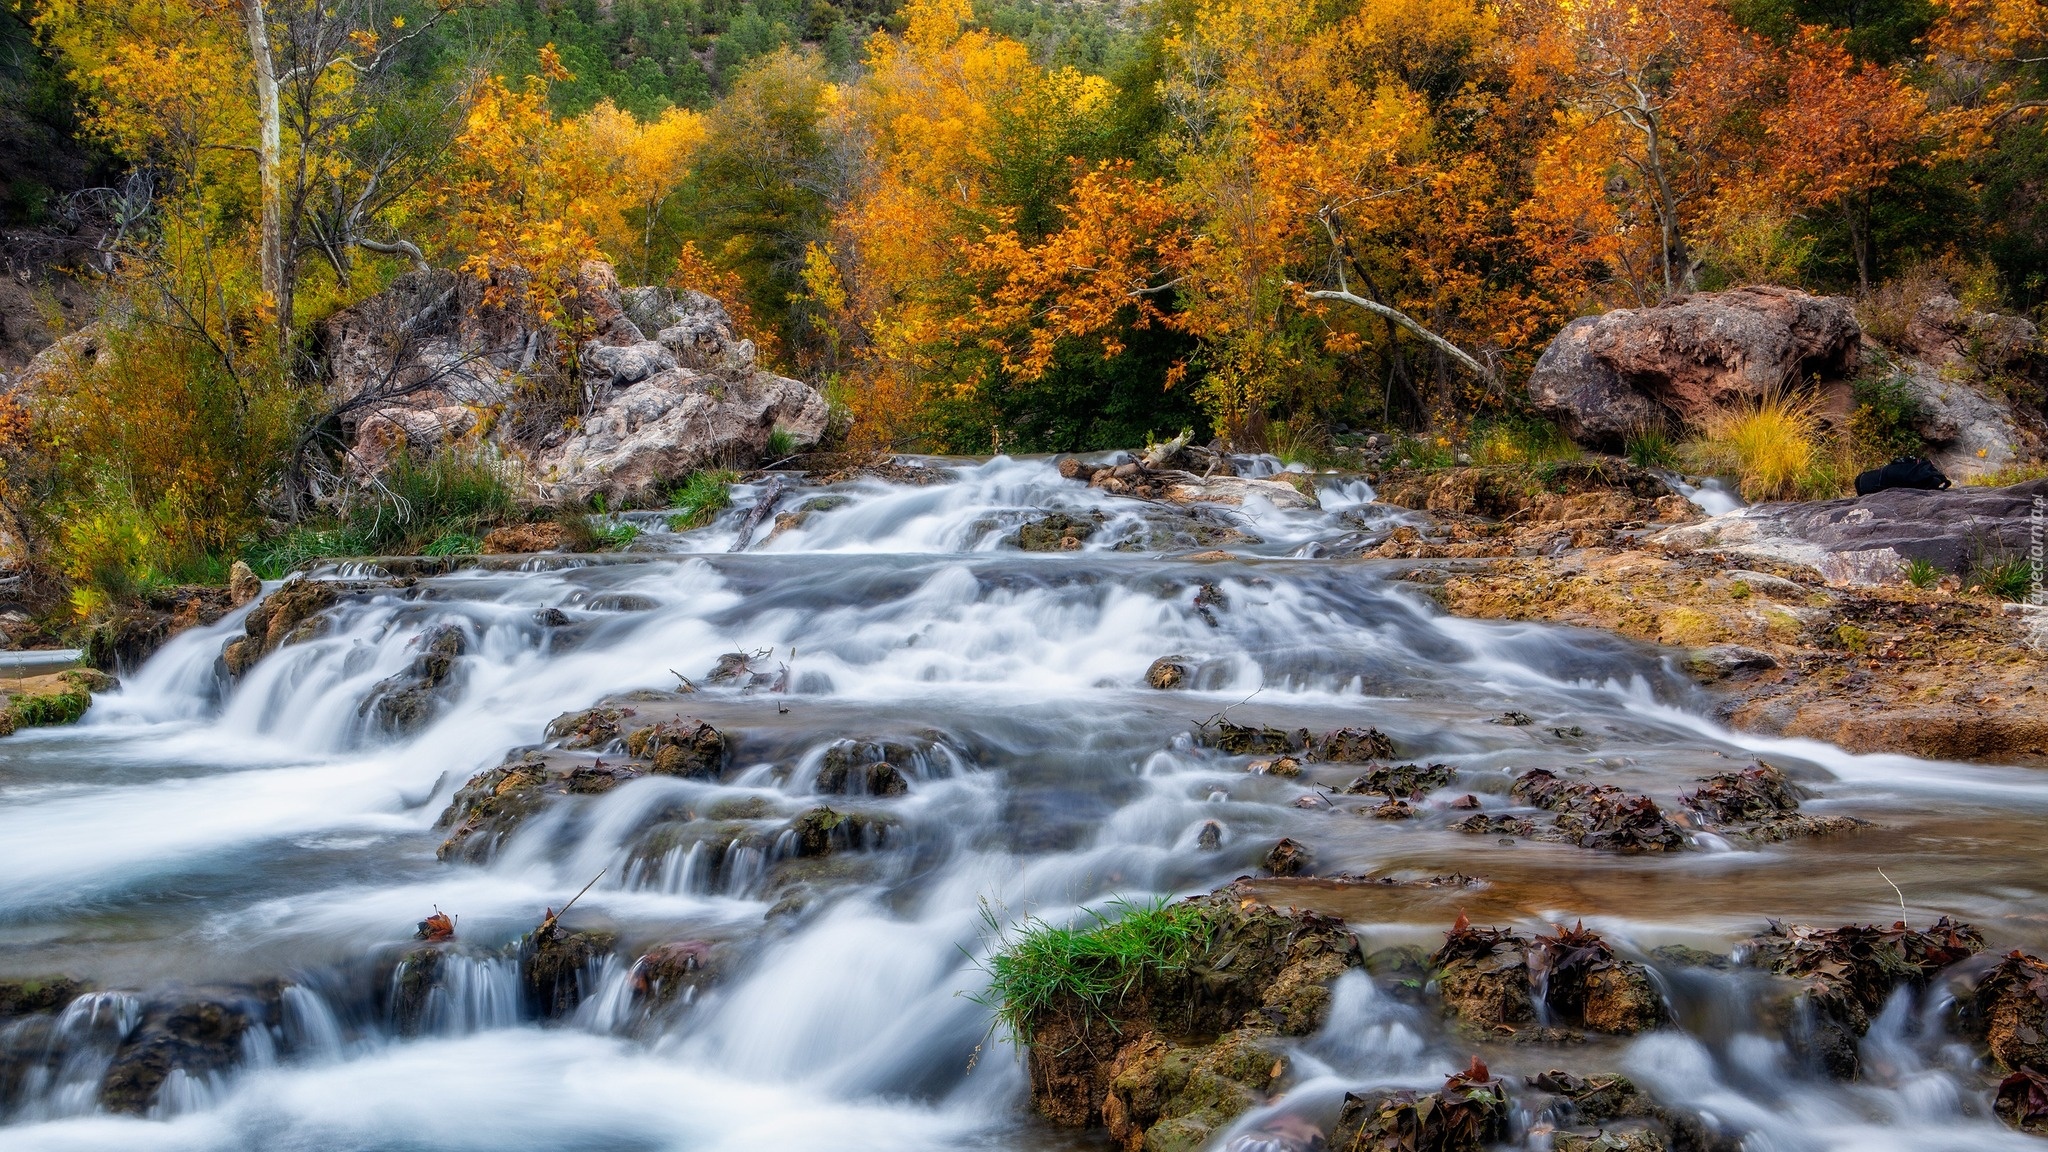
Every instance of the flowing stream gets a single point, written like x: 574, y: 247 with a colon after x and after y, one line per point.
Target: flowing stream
x: 261, y: 839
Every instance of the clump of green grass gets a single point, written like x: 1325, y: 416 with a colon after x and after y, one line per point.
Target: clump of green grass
x: 1921, y: 574
x: 781, y: 445
x: 2008, y: 578
x: 1651, y: 448
x: 1039, y: 965
x: 454, y: 544
x: 699, y: 499
x: 275, y: 558
x: 49, y: 708
x: 586, y: 533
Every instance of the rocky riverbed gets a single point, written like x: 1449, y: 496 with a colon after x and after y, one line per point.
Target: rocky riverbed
x: 1164, y: 802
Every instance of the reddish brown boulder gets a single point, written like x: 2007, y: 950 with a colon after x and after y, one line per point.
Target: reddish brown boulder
x: 1605, y: 377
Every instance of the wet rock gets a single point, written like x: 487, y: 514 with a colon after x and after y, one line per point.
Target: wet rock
x: 1846, y: 974
x: 22, y: 997
x: 487, y: 808
x: 1210, y: 838
x: 1251, y: 971
x: 1391, y: 810
x: 556, y: 968
x: 1168, y: 1098
x: 551, y: 618
x: 1407, y: 780
x: 1284, y: 766
x: 862, y: 780
x: 1623, y: 1140
x: 1727, y: 662
x: 2022, y: 1101
x: 522, y: 539
x: 1169, y: 672
x: 824, y: 831
x: 1583, y: 981
x: 290, y: 615
x: 739, y: 669
x: 408, y: 700
x: 1245, y: 740
x: 1484, y: 825
x: 678, y: 970
x: 687, y: 748
x: 199, y: 1036
x: 1468, y: 1114
x: 1756, y: 793
x: 1354, y: 746
x: 864, y: 768
x: 590, y: 728
x: 2011, y: 1006
x: 1759, y: 804
x: 1287, y: 858
x: 1599, y: 815
x: 1483, y: 976
x: 1058, y: 532
x: 243, y: 583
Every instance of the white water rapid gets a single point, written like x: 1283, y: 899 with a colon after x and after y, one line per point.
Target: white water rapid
x: 262, y: 842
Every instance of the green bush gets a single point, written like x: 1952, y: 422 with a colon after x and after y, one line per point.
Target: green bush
x: 1520, y: 441
x: 2008, y: 578
x: 1883, y: 425
x: 1037, y: 964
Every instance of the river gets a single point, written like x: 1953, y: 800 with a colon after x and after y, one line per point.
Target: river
x: 197, y: 834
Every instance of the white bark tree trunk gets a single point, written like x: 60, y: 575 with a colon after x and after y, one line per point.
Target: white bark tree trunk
x: 270, y: 144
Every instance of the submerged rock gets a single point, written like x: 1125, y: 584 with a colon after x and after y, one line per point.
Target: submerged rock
x: 1169, y: 672
x: 1058, y: 532
x: 1402, y: 780
x: 824, y: 831
x: 1583, y: 981
x: 670, y: 972
x: 1761, y: 805
x: 1598, y: 815
x: 2011, y: 1006
x: 1287, y: 858
x: 590, y: 728
x: 556, y: 965
x: 1846, y: 974
x: 688, y: 748
x: 199, y: 1036
x: 406, y: 701
x: 290, y: 615
x: 1468, y: 1114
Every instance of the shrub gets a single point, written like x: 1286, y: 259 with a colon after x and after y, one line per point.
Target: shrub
x: 2010, y: 474
x: 1040, y: 964
x: 699, y: 499
x: 1422, y: 452
x: 1771, y: 447
x: 781, y: 445
x: 273, y: 559
x: 1883, y: 426
x: 1521, y: 442
x: 452, y: 493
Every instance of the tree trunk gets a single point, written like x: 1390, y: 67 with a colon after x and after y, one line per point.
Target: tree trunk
x: 270, y: 144
x: 1675, y: 255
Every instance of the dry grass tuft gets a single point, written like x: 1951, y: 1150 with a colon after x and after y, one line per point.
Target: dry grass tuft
x: 1773, y: 447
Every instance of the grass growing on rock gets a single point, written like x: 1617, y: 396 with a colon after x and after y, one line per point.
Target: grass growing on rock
x: 1037, y: 965
x: 699, y: 499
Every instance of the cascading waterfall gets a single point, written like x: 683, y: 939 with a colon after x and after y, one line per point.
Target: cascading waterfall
x: 196, y: 837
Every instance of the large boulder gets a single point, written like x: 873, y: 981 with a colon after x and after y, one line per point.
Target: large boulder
x: 1869, y: 539
x: 438, y: 358
x: 1606, y: 377
x: 1949, y: 357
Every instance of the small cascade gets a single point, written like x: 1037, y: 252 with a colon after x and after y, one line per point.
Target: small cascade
x: 952, y: 737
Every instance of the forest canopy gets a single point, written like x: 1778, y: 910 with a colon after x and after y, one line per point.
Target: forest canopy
x: 1015, y: 225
